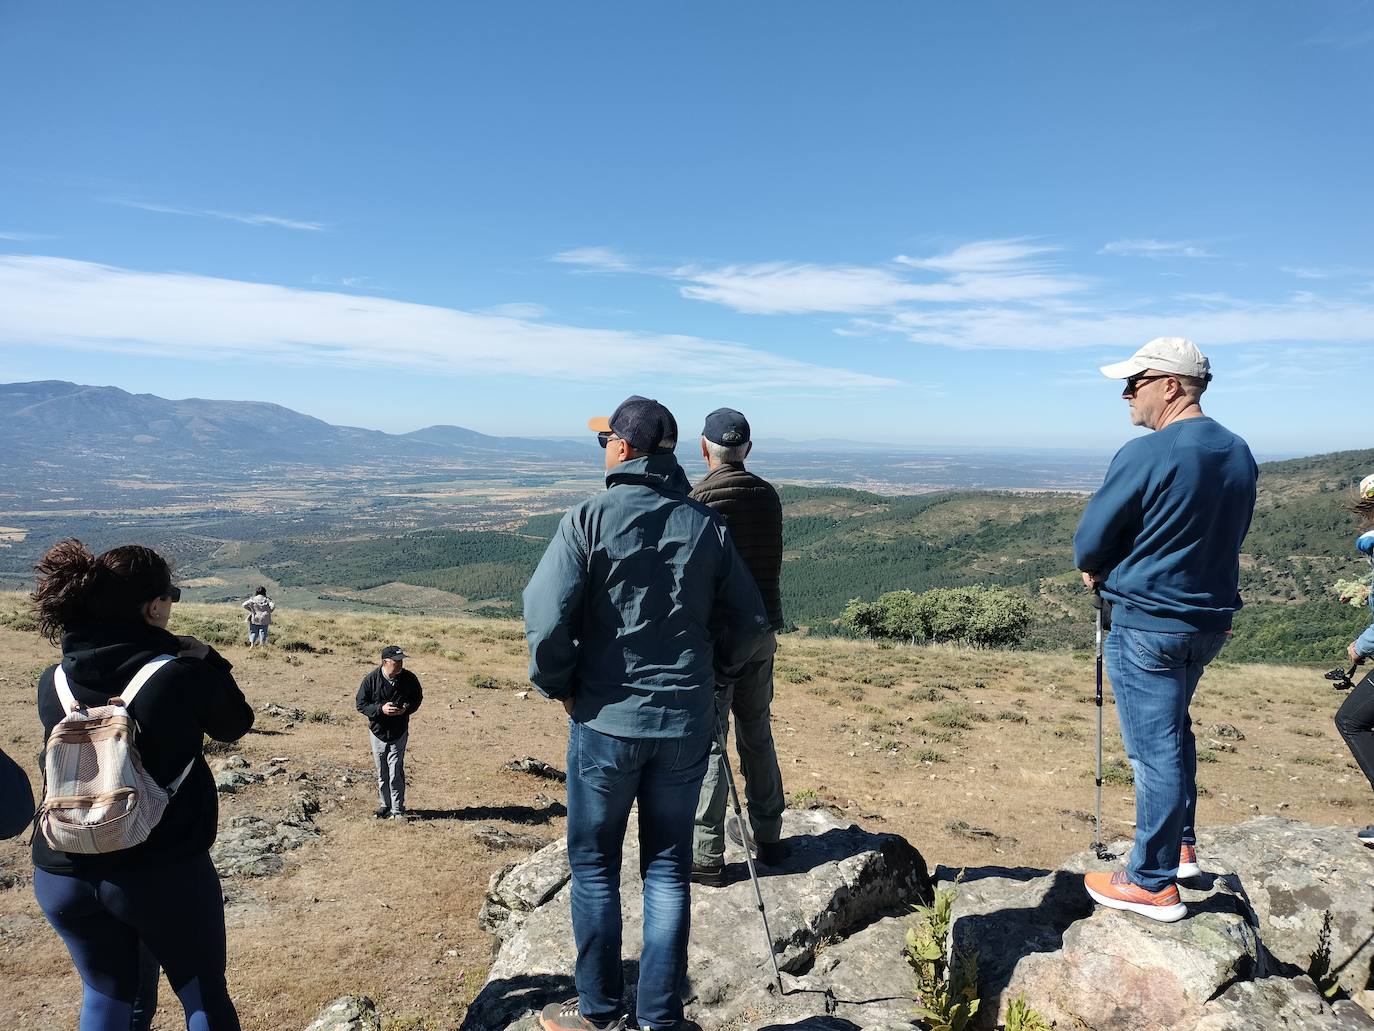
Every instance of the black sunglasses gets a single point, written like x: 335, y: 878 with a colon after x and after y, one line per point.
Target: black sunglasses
x: 605, y: 437
x: 171, y: 594
x: 1133, y: 382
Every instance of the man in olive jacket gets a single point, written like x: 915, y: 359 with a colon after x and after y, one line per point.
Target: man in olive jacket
x: 751, y: 508
x: 637, y: 606
x: 387, y: 696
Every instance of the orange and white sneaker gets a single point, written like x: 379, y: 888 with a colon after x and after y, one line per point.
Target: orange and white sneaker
x: 1187, y: 863
x: 1116, y: 891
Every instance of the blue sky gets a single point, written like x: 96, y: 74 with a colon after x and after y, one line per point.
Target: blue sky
x: 910, y: 222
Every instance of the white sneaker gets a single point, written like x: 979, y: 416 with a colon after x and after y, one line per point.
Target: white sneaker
x: 1187, y: 863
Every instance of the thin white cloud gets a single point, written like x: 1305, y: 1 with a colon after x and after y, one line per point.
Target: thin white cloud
x: 227, y: 216
x: 1326, y: 271
x: 13, y: 237
x: 981, y: 256
x: 58, y: 302
x: 1302, y: 319
x: 985, y: 271
x: 518, y: 310
x: 1149, y: 248
x: 596, y: 259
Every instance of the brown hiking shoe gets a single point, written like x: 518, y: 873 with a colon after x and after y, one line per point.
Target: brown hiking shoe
x: 1116, y: 891
x: 566, y: 1016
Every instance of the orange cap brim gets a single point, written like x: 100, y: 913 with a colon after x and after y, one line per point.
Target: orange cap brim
x: 599, y: 424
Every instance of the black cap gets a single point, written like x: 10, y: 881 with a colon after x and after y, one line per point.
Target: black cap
x: 393, y: 651
x: 643, y: 423
x: 726, y: 427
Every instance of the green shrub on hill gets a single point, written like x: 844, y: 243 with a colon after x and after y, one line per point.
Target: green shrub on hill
x: 983, y: 616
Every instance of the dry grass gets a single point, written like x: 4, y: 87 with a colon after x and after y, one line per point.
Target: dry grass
x: 379, y: 907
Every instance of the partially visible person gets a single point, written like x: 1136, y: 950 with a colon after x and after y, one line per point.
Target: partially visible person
x: 1161, y: 541
x: 753, y: 513
x: 639, y: 603
x: 387, y: 697
x: 1355, y: 717
x: 260, y: 609
x: 110, y: 613
x: 16, y: 798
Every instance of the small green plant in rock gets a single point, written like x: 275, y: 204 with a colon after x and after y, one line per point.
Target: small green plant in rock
x: 1319, y: 965
x: 1020, y: 1017
x: 948, y: 991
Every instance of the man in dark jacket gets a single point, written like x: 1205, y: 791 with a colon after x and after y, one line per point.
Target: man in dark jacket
x: 750, y: 507
x: 638, y: 603
x: 387, y: 696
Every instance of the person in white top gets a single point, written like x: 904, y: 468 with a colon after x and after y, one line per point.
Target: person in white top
x: 260, y: 610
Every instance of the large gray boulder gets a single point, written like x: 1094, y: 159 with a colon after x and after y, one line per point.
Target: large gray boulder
x: 1280, y: 1004
x: 837, y: 880
x: 1292, y: 873
x: 1078, y: 964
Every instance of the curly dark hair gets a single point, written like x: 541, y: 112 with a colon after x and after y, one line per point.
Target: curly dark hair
x: 75, y: 586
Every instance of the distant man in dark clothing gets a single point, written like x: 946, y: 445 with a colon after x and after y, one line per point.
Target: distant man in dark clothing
x: 751, y: 509
x: 387, y: 696
x: 637, y: 606
x: 1161, y: 540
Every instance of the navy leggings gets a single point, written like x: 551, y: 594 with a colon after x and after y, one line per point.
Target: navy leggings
x: 176, y: 910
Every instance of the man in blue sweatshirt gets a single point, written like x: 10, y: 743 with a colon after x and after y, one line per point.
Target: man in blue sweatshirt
x: 638, y: 607
x: 1161, y: 541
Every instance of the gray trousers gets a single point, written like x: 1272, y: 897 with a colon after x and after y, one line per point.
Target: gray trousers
x: 749, y: 699
x: 389, y: 757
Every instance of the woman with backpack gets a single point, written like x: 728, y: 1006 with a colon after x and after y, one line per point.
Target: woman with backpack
x: 260, y: 609
x: 106, y: 887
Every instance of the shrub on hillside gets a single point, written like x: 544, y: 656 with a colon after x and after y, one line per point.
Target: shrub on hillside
x: 985, y: 616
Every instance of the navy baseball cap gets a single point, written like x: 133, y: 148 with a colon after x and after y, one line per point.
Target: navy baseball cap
x: 392, y: 651
x: 726, y: 427
x: 641, y: 422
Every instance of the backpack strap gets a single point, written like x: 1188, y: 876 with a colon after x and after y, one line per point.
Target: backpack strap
x: 64, y: 691
x: 140, y: 678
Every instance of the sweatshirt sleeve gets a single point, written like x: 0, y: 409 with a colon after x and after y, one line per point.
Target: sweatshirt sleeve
x: 1364, y: 644
x: 419, y: 693
x: 738, y: 619
x: 1112, y: 517
x: 366, y: 701
x: 223, y: 710
x: 16, y: 797
x: 553, y: 611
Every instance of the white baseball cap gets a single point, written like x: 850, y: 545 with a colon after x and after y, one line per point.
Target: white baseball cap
x: 1367, y: 487
x: 1167, y: 354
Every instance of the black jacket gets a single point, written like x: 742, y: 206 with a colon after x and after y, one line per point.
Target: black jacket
x: 753, y: 512
x: 16, y: 797
x: 374, y: 691
x: 186, y: 700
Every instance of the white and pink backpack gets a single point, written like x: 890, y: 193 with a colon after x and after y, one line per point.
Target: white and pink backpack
x: 97, y: 797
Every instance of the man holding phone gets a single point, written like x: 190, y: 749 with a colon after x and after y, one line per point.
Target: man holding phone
x: 387, y: 696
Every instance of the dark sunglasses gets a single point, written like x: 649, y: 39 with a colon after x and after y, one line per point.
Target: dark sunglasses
x: 1133, y: 382
x: 171, y: 594
x: 605, y: 437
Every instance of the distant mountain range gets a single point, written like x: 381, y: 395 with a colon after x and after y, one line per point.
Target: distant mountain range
x: 75, y: 431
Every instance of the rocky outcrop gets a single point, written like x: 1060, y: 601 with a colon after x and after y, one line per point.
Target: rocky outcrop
x: 838, y: 914
x: 348, y: 1013
x: 1238, y: 960
x: 1292, y: 873
x: 825, y: 906
x: 252, y: 846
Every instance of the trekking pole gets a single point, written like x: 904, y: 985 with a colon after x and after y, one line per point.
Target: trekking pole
x: 1098, y: 847
x: 748, y: 838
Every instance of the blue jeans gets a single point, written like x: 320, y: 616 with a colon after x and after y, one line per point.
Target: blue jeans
x: 1154, y: 675
x: 256, y: 634
x: 606, y: 775
x: 176, y: 910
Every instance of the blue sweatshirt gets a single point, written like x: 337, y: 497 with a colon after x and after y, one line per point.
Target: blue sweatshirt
x: 1166, y: 528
